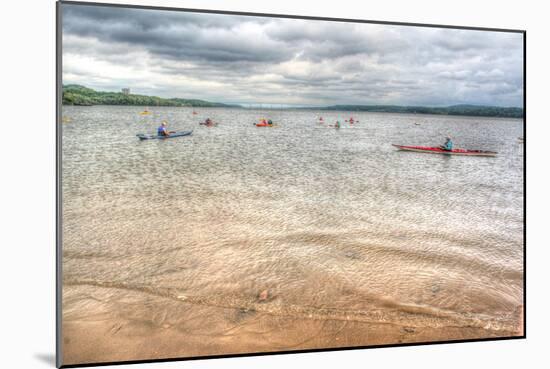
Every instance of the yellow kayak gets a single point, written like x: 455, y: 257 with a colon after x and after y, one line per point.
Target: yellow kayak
x: 145, y: 113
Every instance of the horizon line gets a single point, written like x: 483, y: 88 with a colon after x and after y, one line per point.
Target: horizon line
x: 248, y: 105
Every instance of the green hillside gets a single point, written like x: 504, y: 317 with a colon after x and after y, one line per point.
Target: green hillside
x: 80, y: 95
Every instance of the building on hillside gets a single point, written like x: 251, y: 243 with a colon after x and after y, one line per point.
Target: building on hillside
x: 126, y: 91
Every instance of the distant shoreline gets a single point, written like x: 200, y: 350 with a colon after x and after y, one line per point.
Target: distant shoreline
x: 76, y: 95
x: 304, y: 109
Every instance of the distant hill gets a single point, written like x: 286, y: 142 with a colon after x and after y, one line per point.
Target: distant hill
x: 80, y: 95
x: 472, y: 110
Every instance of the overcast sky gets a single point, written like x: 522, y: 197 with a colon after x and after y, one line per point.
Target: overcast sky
x: 238, y: 59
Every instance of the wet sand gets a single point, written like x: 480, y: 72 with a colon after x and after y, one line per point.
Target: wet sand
x: 153, y: 327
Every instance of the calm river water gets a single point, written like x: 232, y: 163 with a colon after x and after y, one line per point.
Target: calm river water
x: 300, y: 220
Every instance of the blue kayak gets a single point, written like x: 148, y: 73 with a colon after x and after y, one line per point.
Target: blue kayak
x: 142, y: 136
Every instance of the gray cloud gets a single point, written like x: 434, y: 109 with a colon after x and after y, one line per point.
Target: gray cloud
x: 174, y: 35
x: 271, y: 60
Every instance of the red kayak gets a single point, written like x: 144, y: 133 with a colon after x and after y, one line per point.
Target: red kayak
x: 438, y: 150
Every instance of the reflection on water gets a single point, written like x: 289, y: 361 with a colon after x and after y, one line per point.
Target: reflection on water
x: 334, y: 224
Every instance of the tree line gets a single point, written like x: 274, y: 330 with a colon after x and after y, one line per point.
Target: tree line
x: 80, y: 95
x: 472, y: 110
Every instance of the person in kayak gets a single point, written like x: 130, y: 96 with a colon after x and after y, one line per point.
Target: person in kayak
x: 448, y: 145
x: 162, y: 130
x: 270, y: 122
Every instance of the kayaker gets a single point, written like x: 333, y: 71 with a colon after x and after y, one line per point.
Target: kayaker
x: 270, y: 122
x: 448, y: 145
x: 337, y: 124
x: 162, y: 130
x: 208, y: 122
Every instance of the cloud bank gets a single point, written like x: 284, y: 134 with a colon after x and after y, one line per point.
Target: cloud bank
x: 242, y: 59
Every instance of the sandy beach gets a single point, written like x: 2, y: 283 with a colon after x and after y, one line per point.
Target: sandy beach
x: 163, y: 327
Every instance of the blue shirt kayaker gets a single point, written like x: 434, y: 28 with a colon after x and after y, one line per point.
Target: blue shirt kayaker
x: 162, y: 131
x: 448, y: 145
